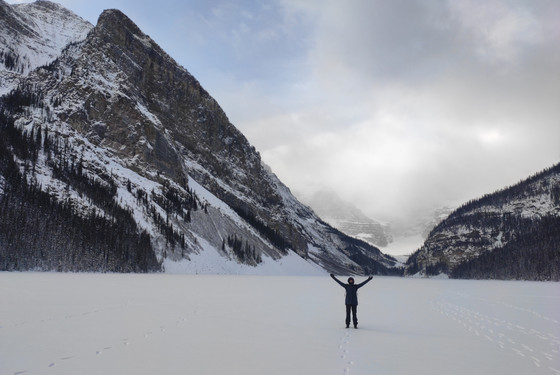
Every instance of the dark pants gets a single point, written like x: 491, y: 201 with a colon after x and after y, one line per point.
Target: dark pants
x: 354, y: 309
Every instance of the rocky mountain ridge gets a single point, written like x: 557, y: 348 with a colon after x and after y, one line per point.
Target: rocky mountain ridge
x: 114, y: 130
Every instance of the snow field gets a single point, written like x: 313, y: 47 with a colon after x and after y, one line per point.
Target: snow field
x: 167, y: 324
x: 211, y: 262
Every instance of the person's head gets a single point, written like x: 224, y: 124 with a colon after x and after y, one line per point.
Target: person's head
x: 351, y: 280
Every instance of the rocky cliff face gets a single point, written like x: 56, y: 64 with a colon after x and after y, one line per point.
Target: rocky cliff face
x: 511, y: 234
x: 116, y: 110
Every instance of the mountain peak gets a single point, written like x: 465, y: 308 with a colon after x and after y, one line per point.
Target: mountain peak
x: 114, y: 19
x: 32, y: 35
x: 48, y: 5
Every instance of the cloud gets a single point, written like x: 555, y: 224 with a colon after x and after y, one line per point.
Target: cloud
x: 497, y: 30
x: 414, y: 105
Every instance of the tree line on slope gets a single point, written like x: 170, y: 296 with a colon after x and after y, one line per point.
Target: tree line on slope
x: 38, y: 232
x: 531, y: 249
x: 532, y: 255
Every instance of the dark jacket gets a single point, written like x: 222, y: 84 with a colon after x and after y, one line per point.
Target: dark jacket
x: 351, y: 290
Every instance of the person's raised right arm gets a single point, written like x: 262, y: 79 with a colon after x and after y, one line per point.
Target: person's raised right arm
x: 338, y: 281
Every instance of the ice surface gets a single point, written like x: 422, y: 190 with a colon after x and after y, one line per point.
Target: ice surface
x: 187, y: 324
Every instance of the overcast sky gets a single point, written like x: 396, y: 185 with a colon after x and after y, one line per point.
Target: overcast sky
x: 398, y: 106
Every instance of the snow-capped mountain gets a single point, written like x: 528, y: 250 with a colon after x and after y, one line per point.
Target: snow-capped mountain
x: 33, y: 35
x: 511, y: 234
x: 125, y: 163
x: 397, y: 237
x: 409, y: 234
x: 347, y: 217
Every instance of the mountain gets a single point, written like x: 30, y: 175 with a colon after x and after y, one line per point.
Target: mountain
x: 513, y: 233
x: 397, y: 237
x: 33, y: 35
x: 408, y: 234
x: 347, y: 218
x: 115, y: 158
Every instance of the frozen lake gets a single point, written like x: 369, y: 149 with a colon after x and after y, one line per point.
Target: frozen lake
x: 170, y: 324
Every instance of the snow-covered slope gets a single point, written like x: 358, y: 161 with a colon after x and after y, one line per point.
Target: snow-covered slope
x: 116, y: 131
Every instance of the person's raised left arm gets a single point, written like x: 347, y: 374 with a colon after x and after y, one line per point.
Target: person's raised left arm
x: 365, y: 282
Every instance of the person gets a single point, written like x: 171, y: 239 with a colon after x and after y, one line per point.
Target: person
x: 351, y: 300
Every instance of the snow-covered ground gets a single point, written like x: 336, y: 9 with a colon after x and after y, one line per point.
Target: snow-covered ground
x: 186, y: 324
x: 210, y: 262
